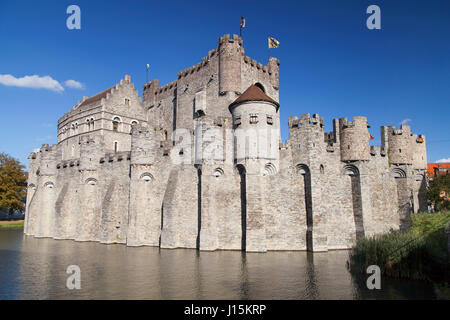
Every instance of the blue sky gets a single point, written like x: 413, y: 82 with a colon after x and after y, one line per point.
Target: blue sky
x: 331, y: 63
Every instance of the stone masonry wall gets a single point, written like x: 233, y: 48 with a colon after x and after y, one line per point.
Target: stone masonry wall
x: 321, y: 190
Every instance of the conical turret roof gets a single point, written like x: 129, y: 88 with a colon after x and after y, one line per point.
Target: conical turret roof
x: 253, y: 93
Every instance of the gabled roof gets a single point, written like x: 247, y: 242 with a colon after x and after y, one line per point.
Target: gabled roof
x: 253, y: 93
x: 96, y: 97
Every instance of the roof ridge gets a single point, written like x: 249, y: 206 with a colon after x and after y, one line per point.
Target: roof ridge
x: 97, y: 96
x: 253, y: 93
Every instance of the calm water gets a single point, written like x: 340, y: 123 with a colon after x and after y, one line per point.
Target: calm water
x: 36, y: 269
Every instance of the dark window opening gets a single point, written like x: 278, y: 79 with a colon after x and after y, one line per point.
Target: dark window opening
x: 259, y: 85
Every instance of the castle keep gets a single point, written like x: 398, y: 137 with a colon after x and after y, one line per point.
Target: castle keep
x: 199, y: 163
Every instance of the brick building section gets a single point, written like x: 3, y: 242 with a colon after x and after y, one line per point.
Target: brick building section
x: 434, y: 169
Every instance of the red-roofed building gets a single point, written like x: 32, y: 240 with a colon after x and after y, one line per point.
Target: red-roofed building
x: 434, y: 169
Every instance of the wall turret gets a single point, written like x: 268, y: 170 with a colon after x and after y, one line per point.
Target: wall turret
x: 144, y: 144
x: 90, y: 152
x: 419, y: 151
x: 255, y: 123
x: 48, y: 159
x: 354, y: 139
x: 149, y: 93
x: 230, y: 57
x: 398, y: 144
x: 274, y: 72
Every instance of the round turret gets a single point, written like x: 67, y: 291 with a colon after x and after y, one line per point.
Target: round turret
x: 274, y: 70
x: 354, y: 139
x: 419, y: 151
x: 399, y: 141
x: 230, y: 56
x: 255, y: 115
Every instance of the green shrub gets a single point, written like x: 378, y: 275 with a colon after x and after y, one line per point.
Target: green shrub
x: 420, y: 253
x: 434, y: 189
x: 426, y: 223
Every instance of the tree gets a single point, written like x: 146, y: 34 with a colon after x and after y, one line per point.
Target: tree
x: 438, y: 192
x: 13, y: 183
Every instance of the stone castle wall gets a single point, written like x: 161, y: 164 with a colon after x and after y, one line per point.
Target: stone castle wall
x: 319, y: 191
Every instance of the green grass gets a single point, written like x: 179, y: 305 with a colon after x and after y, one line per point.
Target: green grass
x: 419, y: 253
x: 12, y: 225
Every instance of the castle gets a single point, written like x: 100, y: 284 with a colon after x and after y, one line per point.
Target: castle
x: 199, y: 163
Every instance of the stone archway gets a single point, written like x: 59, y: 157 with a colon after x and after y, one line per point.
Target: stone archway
x: 403, y: 196
x: 243, y: 187
x: 355, y: 179
x: 304, y: 171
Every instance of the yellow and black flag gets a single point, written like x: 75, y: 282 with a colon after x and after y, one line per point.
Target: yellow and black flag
x: 273, y: 43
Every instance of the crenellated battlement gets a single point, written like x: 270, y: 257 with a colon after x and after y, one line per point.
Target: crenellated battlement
x: 306, y: 120
x: 32, y: 156
x: 358, y: 121
x: 376, y: 151
x: 227, y: 39
x: 68, y: 164
x: 115, y: 157
x: 256, y: 64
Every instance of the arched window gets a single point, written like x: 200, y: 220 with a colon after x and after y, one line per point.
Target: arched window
x: 91, y: 181
x: 116, y: 122
x: 133, y: 123
x: 218, y: 172
x: 146, y: 177
x: 116, y: 146
x: 92, y: 122
x: 350, y: 170
x: 49, y: 185
x: 269, y: 169
x: 259, y: 85
x: 398, y: 173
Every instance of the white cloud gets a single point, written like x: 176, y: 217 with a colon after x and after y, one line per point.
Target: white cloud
x: 34, y: 81
x: 74, y: 84
x: 443, y: 160
x: 405, y: 121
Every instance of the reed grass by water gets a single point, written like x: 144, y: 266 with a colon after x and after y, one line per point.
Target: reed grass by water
x: 418, y: 253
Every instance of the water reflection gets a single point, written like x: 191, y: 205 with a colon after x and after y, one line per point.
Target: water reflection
x: 36, y: 269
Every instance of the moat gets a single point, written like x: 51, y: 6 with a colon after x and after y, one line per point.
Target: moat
x: 32, y: 268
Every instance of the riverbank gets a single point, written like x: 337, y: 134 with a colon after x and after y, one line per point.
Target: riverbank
x: 11, y: 224
x: 420, y: 253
